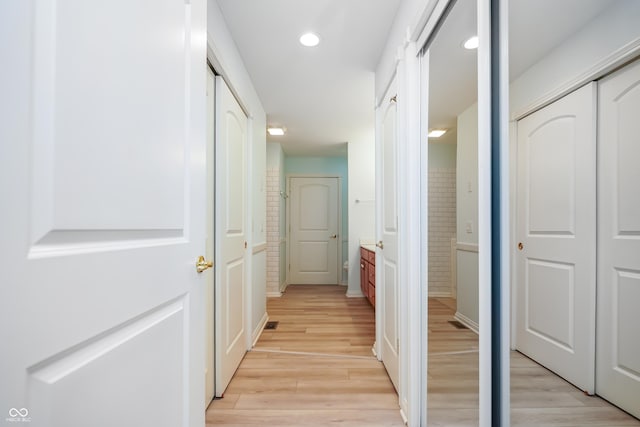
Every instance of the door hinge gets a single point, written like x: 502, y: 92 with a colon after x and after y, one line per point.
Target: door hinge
x: 397, y: 345
x: 245, y: 244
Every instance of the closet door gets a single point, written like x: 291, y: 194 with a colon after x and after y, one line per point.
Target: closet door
x: 618, y: 336
x: 556, y: 213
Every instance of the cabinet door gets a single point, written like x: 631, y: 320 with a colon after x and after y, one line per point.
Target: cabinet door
x: 364, y: 275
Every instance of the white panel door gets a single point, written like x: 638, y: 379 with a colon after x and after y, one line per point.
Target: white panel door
x: 209, y: 328
x: 102, y: 130
x: 387, y: 267
x: 556, y: 235
x: 314, y: 231
x: 618, y: 336
x: 231, y: 235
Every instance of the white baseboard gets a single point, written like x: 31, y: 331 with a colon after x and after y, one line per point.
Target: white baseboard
x: 274, y: 294
x: 259, y: 329
x: 439, y: 294
x: 355, y: 294
x: 283, y: 286
x: 467, y: 322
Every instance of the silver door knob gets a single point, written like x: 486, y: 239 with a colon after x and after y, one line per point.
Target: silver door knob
x: 335, y: 236
x: 380, y: 244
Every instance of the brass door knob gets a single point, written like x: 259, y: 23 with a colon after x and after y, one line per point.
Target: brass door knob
x: 380, y: 244
x: 520, y: 246
x: 202, y: 264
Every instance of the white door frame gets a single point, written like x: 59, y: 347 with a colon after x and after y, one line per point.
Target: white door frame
x: 288, y: 224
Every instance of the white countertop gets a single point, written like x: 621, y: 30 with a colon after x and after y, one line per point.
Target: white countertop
x: 369, y: 246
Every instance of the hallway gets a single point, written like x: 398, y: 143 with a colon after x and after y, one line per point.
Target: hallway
x: 317, y: 369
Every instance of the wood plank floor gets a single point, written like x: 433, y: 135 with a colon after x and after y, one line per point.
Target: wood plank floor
x: 538, y: 397
x: 317, y: 369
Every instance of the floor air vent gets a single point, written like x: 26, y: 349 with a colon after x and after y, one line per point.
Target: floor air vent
x: 271, y: 325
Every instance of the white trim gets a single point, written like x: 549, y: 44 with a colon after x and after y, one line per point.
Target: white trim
x: 219, y: 70
x: 513, y: 176
x: 272, y: 294
x: 403, y: 199
x: 404, y: 417
x: 467, y: 247
x: 355, y: 294
x: 248, y: 258
x: 412, y: 331
x: 423, y: 120
x: 484, y: 209
x: 505, y: 256
x: 260, y: 247
x: 601, y: 68
x: 284, y: 285
x: 379, y: 102
x: 430, y: 18
x: 453, y: 268
x: 467, y: 322
x: 439, y: 294
x: 258, y: 332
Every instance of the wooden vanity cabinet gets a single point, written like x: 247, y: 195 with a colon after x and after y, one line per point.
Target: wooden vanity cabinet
x: 368, y: 274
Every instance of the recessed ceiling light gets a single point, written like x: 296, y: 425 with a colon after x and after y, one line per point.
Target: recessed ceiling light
x: 275, y: 131
x: 471, y: 43
x: 437, y: 133
x: 309, y: 40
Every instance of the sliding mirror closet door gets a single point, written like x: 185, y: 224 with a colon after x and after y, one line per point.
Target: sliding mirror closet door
x: 452, y: 387
x: 575, y: 213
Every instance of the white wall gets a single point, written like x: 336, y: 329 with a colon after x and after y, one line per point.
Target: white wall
x: 467, y: 214
x: 227, y: 61
x: 362, y: 216
x: 617, y: 26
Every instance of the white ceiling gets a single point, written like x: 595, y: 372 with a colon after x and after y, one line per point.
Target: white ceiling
x: 324, y: 96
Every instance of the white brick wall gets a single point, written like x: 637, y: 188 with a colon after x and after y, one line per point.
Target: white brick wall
x: 442, y: 227
x: 273, y: 230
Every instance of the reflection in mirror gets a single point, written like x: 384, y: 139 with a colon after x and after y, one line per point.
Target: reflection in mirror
x: 569, y: 60
x: 452, y: 391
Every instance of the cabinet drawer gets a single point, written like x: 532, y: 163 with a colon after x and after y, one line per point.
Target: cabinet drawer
x: 372, y: 257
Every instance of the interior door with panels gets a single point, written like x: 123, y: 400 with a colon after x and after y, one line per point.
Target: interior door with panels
x: 387, y: 269
x: 618, y: 336
x: 231, y: 235
x: 556, y: 233
x: 103, y: 129
x: 314, y: 231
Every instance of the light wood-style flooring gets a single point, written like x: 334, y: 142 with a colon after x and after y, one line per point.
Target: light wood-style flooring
x: 317, y: 369
x: 538, y: 397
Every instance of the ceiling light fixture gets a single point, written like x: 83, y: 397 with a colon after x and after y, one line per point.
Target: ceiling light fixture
x: 309, y: 40
x: 471, y: 43
x: 275, y: 131
x: 437, y: 133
